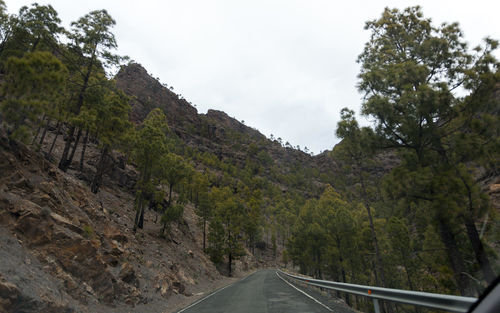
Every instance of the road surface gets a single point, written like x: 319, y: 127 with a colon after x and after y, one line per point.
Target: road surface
x: 261, y: 292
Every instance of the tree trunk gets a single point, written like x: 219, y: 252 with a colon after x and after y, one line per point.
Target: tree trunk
x: 204, y: 233
x: 319, y: 273
x: 141, y: 218
x: 341, y: 260
x: 373, y: 264
x: 75, y: 145
x: 405, y: 264
x: 230, y: 256
x: 164, y: 228
x: 477, y: 245
x: 38, y: 130
x: 63, y: 163
x: 378, y: 258
x: 82, y: 156
x: 479, y: 251
x: 454, y: 257
x: 42, y: 139
x: 171, y: 186
x: 35, y: 44
x: 55, y: 138
x: 97, y: 181
x: 139, y: 214
x: 472, y: 233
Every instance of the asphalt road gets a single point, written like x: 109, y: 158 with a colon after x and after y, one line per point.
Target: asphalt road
x: 261, y: 292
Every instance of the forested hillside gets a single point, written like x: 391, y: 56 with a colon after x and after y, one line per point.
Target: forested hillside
x: 429, y: 223
x: 409, y: 203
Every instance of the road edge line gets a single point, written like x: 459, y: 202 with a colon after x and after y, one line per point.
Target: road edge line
x: 213, y: 293
x: 303, y: 292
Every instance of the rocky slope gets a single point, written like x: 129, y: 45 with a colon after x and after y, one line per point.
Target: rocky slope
x: 64, y: 249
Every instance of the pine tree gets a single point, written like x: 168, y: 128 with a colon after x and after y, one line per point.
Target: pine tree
x: 41, y: 23
x: 150, y: 145
x: 410, y: 70
x: 90, y: 49
x: 111, y: 126
x: 172, y: 171
x: 33, y: 85
x: 356, y: 152
x: 226, y: 227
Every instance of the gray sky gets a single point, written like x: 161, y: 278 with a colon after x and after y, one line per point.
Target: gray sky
x: 284, y: 67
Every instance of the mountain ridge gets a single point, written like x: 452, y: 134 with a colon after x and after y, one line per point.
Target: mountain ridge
x: 215, y: 132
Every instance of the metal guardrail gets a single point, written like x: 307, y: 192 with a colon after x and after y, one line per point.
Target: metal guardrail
x: 417, y: 298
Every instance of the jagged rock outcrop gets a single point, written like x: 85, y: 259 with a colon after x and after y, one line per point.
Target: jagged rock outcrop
x: 148, y: 93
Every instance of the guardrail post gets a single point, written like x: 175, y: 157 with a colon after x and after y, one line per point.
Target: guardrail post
x: 375, y: 304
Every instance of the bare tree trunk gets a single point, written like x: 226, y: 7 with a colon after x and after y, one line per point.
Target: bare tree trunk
x: 63, y: 163
x: 42, y: 139
x: 82, y: 156
x: 97, y: 181
x: 171, y: 186
x: 204, y: 233
x: 139, y: 214
x: 55, y: 138
x: 77, y: 140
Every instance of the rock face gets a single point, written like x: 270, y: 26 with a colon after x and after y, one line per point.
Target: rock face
x: 64, y: 249
x: 24, y: 285
x: 148, y: 93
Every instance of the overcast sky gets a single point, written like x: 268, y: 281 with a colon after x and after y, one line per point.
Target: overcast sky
x: 284, y: 67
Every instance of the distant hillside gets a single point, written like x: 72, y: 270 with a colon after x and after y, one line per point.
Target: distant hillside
x: 219, y: 134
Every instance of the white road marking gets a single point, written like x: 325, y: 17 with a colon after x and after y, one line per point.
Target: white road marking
x: 309, y: 296
x: 213, y: 293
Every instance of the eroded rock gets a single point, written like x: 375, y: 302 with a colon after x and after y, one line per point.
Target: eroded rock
x: 128, y: 275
